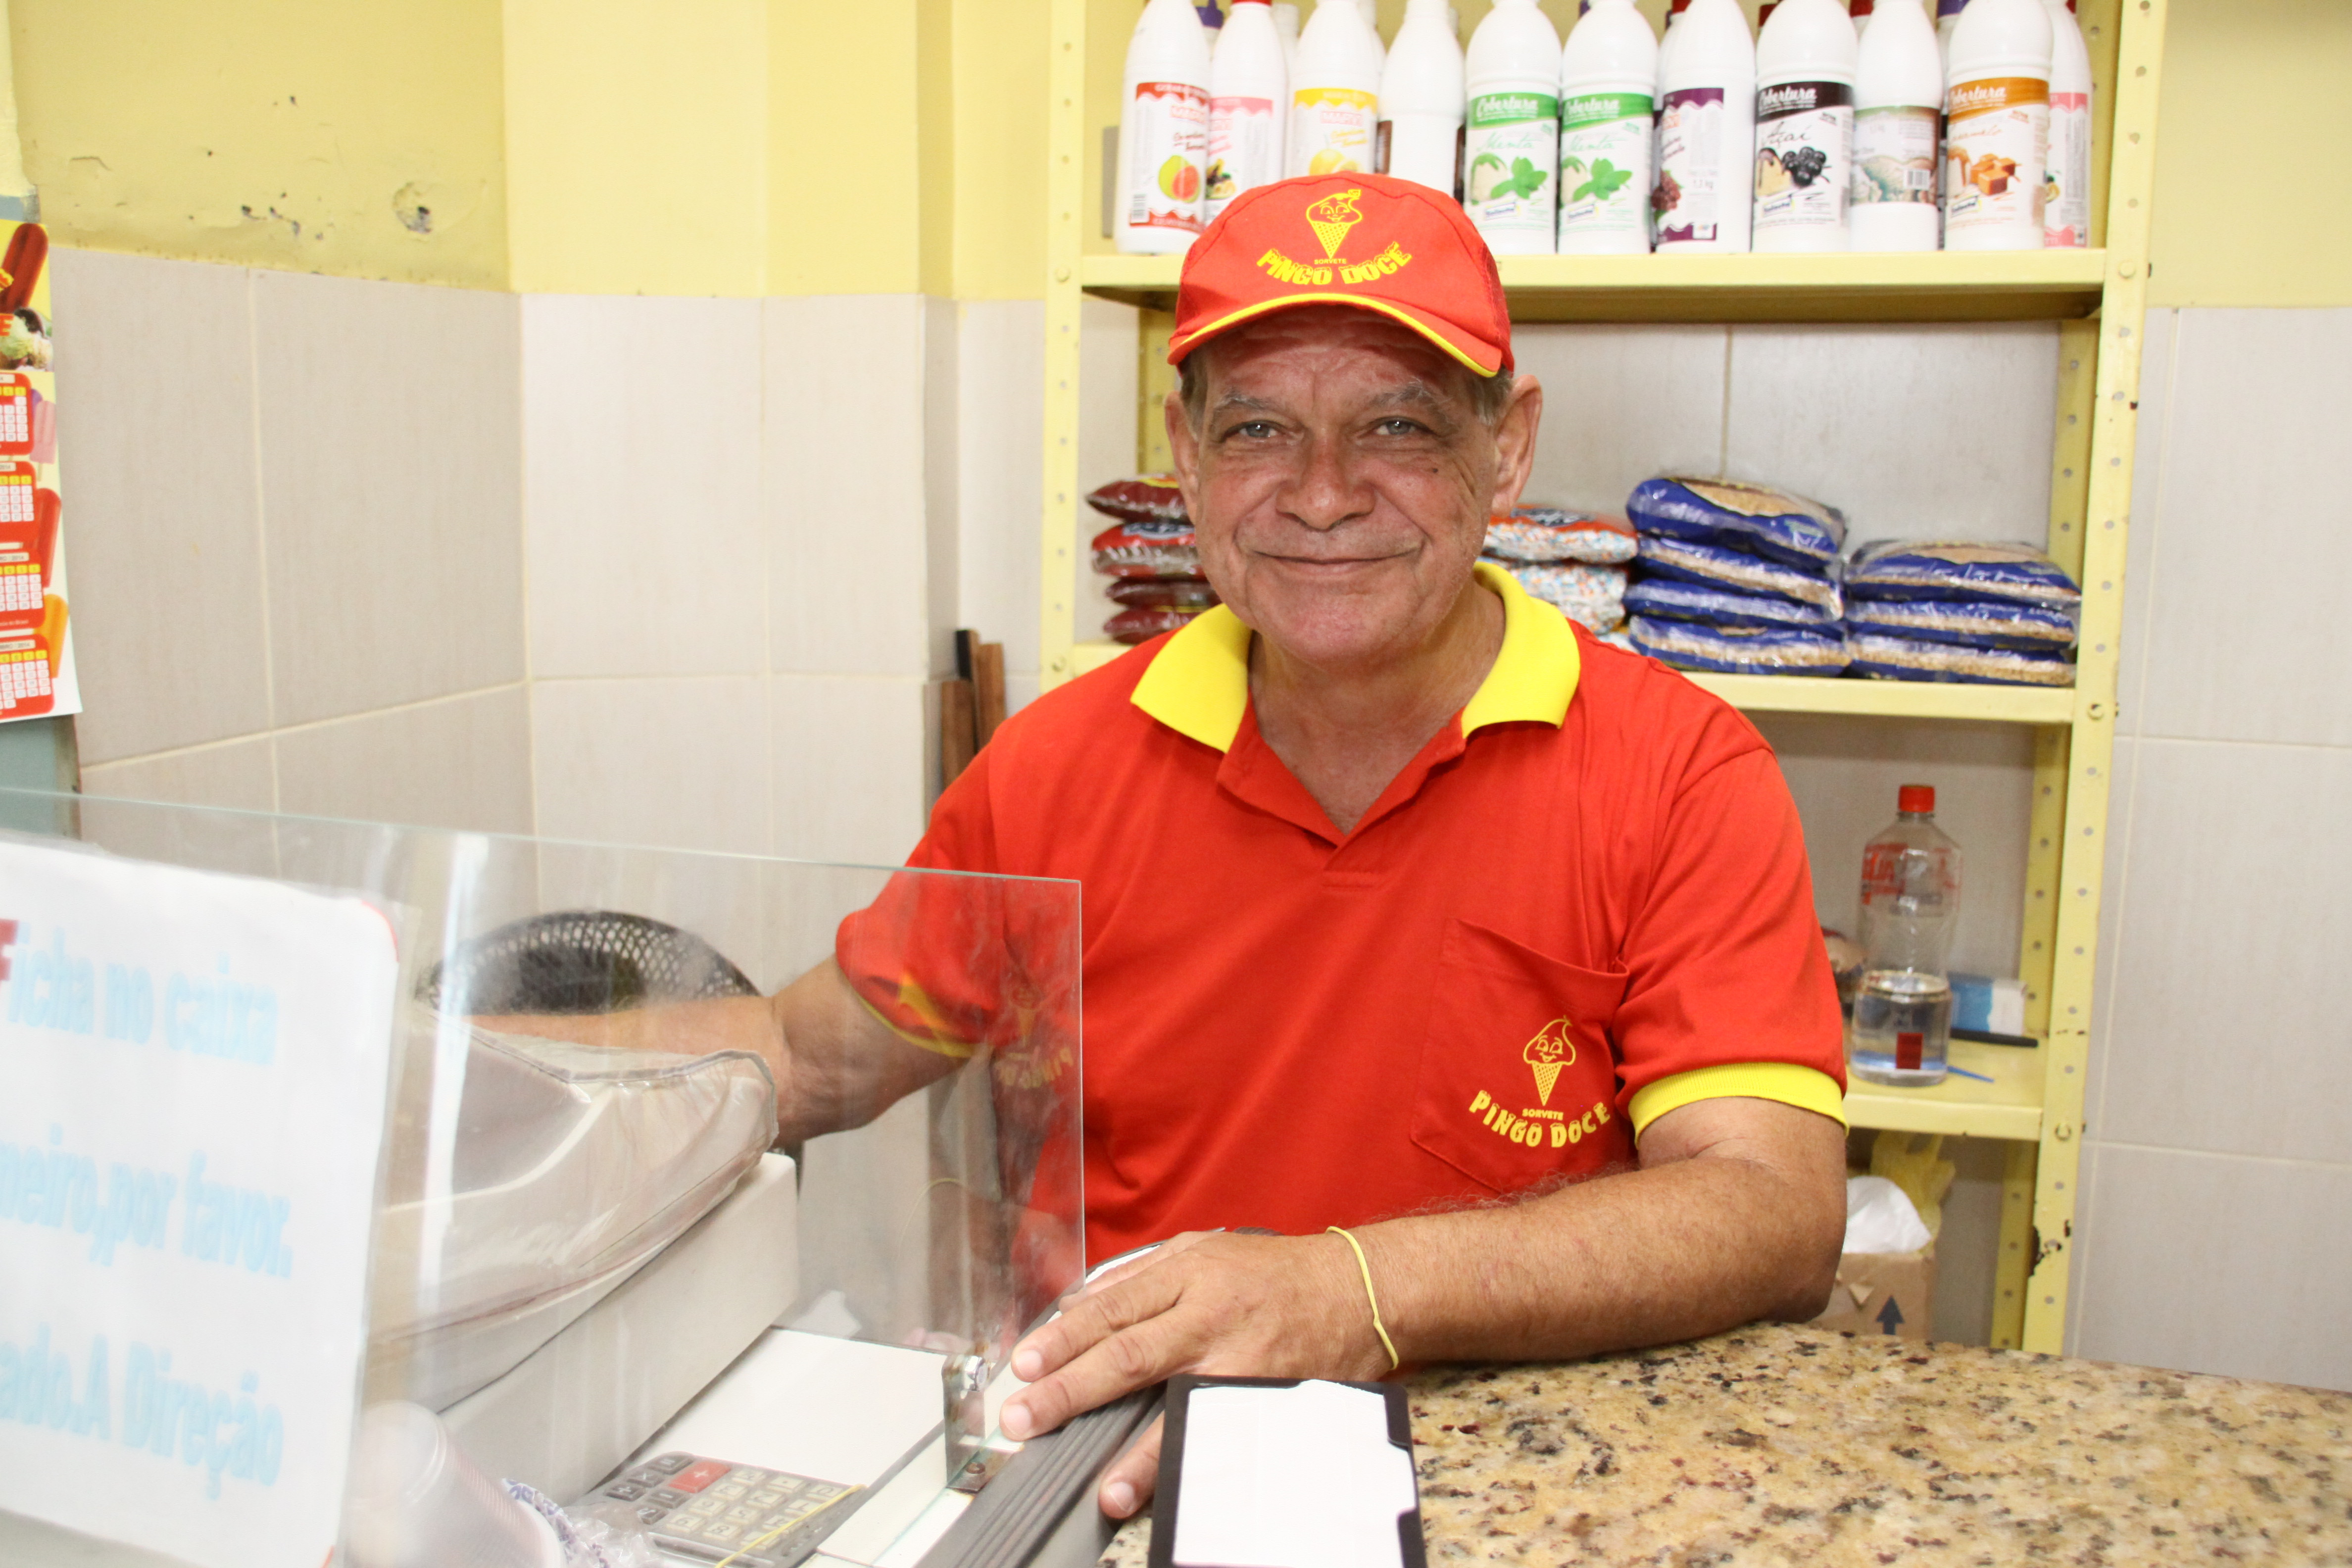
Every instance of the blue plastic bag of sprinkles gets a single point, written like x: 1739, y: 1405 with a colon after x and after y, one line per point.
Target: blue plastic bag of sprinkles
x: 1970, y: 623
x: 1733, y: 650
x: 1902, y: 658
x: 1665, y: 598
x: 1726, y: 512
x: 1906, y: 569
x: 1712, y: 566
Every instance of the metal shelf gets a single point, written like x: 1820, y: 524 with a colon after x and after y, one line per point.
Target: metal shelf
x: 1930, y: 286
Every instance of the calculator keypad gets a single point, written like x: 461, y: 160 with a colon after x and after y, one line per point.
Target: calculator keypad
x: 707, y: 1510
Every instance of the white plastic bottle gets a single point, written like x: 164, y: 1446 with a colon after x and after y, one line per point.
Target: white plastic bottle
x: 1948, y: 16
x: 1898, y: 97
x: 1420, y: 100
x: 1997, y: 126
x: 1860, y: 11
x: 2066, y: 197
x: 1370, y: 12
x: 1285, y: 21
x: 1804, y: 127
x: 1212, y: 25
x: 1163, y: 131
x: 1249, y: 99
x: 1706, y: 130
x: 1675, y: 9
x: 1608, y: 88
x: 1335, y: 93
x: 1510, y: 145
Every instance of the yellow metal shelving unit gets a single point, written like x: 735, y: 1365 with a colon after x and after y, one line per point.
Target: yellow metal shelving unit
x: 2034, y: 1103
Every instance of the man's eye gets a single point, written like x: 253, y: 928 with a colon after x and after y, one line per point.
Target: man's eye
x: 1255, y: 429
x: 1401, y: 427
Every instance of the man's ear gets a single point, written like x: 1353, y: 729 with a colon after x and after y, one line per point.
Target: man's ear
x: 1184, y: 450
x: 1515, y: 443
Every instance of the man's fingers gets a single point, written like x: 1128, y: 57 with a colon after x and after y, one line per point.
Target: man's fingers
x: 1129, y: 1269
x: 1130, y: 1359
x: 1129, y: 1481
x: 1089, y: 1320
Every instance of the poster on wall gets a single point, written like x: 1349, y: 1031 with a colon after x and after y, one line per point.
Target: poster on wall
x: 36, y: 666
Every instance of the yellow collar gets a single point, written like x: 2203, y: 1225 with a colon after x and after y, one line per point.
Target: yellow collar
x: 1198, y: 684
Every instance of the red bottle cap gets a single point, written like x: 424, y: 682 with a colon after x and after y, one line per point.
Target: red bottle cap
x: 1915, y: 798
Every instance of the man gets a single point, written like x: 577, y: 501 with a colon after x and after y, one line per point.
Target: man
x: 1407, y: 907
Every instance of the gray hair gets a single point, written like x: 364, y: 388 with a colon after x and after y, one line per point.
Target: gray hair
x: 1489, y: 395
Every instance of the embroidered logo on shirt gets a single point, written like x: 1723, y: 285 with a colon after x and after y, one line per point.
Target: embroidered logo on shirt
x: 1549, y: 1051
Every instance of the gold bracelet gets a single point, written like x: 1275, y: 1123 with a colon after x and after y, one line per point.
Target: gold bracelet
x: 1379, y: 1328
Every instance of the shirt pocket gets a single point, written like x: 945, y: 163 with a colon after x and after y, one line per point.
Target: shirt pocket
x: 1518, y: 1083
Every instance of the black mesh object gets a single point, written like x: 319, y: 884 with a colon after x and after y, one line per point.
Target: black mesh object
x: 580, y: 961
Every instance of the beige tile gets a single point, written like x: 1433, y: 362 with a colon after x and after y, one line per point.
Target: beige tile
x: 391, y: 490
x: 2253, y: 542
x: 155, y: 395
x: 847, y: 491
x: 943, y: 483
x: 673, y: 761
x: 854, y: 765
x: 1844, y: 773
x: 1000, y: 433
x: 2113, y: 889
x: 1621, y: 403
x: 241, y: 774
x: 2214, y: 1264
x: 2226, y: 1030
x: 1914, y: 432
x: 1110, y: 382
x: 641, y: 486
x: 462, y: 763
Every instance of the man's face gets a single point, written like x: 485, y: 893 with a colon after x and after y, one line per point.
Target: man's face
x: 1341, y: 481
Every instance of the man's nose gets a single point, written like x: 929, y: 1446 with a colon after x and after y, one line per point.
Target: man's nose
x: 1327, y: 490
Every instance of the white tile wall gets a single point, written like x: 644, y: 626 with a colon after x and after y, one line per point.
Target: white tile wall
x: 1110, y: 377
x: 240, y: 774
x: 853, y: 764
x: 389, y: 416
x: 1000, y: 433
x: 641, y: 486
x: 156, y: 416
x: 462, y: 762
x: 1621, y: 403
x: 676, y: 761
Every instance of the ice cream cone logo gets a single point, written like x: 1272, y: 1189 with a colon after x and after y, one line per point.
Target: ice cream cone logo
x: 1331, y: 218
x: 1549, y: 1051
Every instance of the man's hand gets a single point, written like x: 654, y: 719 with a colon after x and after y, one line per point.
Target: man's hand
x: 1208, y: 1302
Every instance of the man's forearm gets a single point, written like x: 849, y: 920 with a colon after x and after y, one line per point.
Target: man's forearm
x: 1738, y: 1222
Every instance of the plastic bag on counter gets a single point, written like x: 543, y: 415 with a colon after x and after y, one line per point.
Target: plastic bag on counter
x: 1146, y: 498
x: 1973, y: 623
x: 1541, y: 534
x: 1670, y: 599
x: 1591, y: 596
x: 1738, y: 650
x: 1143, y: 623
x: 1902, y: 658
x: 1738, y: 516
x: 1902, y: 569
x: 1164, y: 549
x: 1163, y: 592
x: 1712, y: 566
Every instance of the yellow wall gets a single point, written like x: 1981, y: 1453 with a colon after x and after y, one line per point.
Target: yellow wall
x: 2253, y: 203
x: 288, y: 133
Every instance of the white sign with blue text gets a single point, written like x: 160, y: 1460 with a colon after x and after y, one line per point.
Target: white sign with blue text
x: 192, y: 1094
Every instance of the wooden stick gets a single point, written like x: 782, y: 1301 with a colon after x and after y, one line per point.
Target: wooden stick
x: 988, y: 688
x: 957, y: 740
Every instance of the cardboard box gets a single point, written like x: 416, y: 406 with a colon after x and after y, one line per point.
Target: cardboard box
x: 1883, y: 1294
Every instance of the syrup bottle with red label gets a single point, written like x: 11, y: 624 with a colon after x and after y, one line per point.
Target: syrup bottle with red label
x: 1902, y: 1024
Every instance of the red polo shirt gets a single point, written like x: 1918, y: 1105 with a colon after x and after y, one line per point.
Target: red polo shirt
x: 1585, y: 903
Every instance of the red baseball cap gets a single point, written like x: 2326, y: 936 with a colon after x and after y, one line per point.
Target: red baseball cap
x: 1367, y: 240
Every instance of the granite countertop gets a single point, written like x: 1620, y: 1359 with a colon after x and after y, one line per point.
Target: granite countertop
x: 1787, y: 1445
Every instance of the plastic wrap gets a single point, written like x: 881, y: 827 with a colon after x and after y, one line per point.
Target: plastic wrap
x: 1971, y: 623
x: 1141, y: 624
x: 1163, y: 592
x: 1668, y: 598
x: 1166, y: 549
x: 1726, y: 650
x: 1146, y: 498
x: 1902, y: 658
x: 1591, y: 596
x: 570, y: 1166
x: 1712, y: 566
x: 1738, y: 516
x: 1540, y: 534
x: 1902, y: 569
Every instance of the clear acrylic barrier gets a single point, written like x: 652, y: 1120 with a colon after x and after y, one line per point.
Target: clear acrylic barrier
x: 621, y: 1203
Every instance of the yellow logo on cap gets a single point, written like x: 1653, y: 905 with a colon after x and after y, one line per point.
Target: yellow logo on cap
x: 1331, y: 218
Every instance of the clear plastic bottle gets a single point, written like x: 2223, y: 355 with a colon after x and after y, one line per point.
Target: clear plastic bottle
x: 1422, y: 101
x: 1901, y: 1030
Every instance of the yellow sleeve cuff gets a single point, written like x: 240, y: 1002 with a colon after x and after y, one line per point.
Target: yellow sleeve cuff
x: 938, y: 1038
x: 1807, y: 1088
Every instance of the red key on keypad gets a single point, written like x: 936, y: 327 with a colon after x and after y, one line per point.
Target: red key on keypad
x: 700, y: 1476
